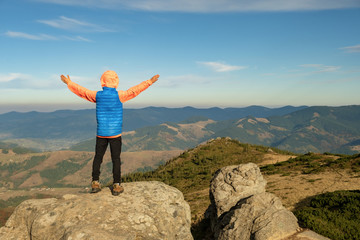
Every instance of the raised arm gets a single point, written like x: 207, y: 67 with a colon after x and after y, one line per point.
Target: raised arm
x: 79, y: 90
x: 136, y: 90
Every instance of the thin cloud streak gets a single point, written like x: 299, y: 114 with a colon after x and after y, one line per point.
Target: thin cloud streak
x: 13, y: 76
x: 221, y: 67
x: 71, y: 24
x: 78, y: 39
x: 44, y: 37
x: 351, y: 49
x: 30, y: 36
x: 177, y: 81
x: 329, y: 81
x: 214, y: 5
x: 321, y: 67
x: 31, y: 82
x: 18, y: 81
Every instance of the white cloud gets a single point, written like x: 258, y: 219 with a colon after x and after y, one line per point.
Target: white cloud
x: 74, y: 25
x: 321, y: 68
x: 30, y: 36
x: 16, y: 81
x: 52, y: 81
x: 340, y: 80
x: 44, y: 37
x: 351, y: 49
x: 189, y: 79
x: 221, y: 67
x: 213, y: 5
x: 77, y: 39
x: 27, y: 81
x: 13, y: 76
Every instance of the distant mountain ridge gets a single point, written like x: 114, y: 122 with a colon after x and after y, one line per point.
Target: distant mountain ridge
x: 77, y: 125
x: 299, y: 129
x: 313, y: 129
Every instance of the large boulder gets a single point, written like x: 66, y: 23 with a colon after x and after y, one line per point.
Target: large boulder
x: 259, y: 217
x: 232, y: 183
x: 145, y: 210
x: 242, y: 210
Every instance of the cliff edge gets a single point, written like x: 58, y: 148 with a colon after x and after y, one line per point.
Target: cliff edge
x: 145, y: 210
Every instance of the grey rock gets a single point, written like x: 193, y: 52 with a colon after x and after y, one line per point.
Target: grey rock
x: 233, y: 183
x: 259, y: 217
x: 145, y: 210
x: 242, y: 210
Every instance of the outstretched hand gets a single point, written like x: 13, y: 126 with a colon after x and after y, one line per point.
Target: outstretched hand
x: 155, y: 78
x: 66, y: 80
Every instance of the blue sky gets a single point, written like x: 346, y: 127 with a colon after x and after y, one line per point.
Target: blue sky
x: 231, y: 53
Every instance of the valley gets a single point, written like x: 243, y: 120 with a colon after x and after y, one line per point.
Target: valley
x: 69, y: 168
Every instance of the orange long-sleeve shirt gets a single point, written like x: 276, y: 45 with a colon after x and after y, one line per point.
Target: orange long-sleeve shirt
x: 123, y: 95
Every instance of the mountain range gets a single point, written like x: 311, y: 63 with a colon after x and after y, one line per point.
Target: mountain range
x: 297, y: 129
x: 312, y: 129
x: 63, y: 128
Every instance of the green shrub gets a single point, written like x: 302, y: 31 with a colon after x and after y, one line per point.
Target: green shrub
x: 335, y: 215
x: 311, y: 163
x: 62, y: 169
x: 14, y: 201
x: 144, y: 169
x: 34, y: 161
x: 22, y: 150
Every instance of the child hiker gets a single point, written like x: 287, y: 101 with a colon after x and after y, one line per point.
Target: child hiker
x: 109, y: 117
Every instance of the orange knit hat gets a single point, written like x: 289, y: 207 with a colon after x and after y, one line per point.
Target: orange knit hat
x: 109, y: 79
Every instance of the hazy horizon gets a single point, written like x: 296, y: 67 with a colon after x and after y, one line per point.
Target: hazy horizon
x: 52, y: 108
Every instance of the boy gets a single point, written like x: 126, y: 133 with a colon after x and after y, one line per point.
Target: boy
x: 109, y: 118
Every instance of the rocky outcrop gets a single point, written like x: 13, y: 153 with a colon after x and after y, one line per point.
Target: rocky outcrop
x: 145, y: 210
x: 242, y: 210
x: 231, y: 184
x: 261, y: 216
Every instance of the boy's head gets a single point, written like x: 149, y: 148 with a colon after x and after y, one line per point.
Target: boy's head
x: 109, y: 79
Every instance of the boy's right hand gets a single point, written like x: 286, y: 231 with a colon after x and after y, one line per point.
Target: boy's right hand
x: 66, y: 80
x: 155, y: 78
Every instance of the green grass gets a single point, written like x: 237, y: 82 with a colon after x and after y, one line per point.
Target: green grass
x: 12, y: 167
x: 311, y: 163
x: 62, y: 169
x: 191, y: 173
x: 23, y: 150
x: 335, y: 215
x: 193, y: 170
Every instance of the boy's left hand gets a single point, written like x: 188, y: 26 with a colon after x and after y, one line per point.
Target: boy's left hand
x: 155, y: 78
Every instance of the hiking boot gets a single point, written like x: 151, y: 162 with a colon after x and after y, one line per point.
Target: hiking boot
x: 117, y: 189
x: 95, y: 187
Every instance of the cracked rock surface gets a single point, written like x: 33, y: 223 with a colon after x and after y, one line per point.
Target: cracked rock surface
x: 242, y: 210
x: 145, y: 210
x: 232, y: 183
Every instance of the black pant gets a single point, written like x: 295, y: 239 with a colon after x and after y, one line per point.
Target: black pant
x: 100, y: 149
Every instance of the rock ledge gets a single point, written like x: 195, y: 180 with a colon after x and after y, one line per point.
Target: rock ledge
x: 145, y: 210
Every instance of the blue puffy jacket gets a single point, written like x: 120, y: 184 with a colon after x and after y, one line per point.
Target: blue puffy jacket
x: 109, y: 113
